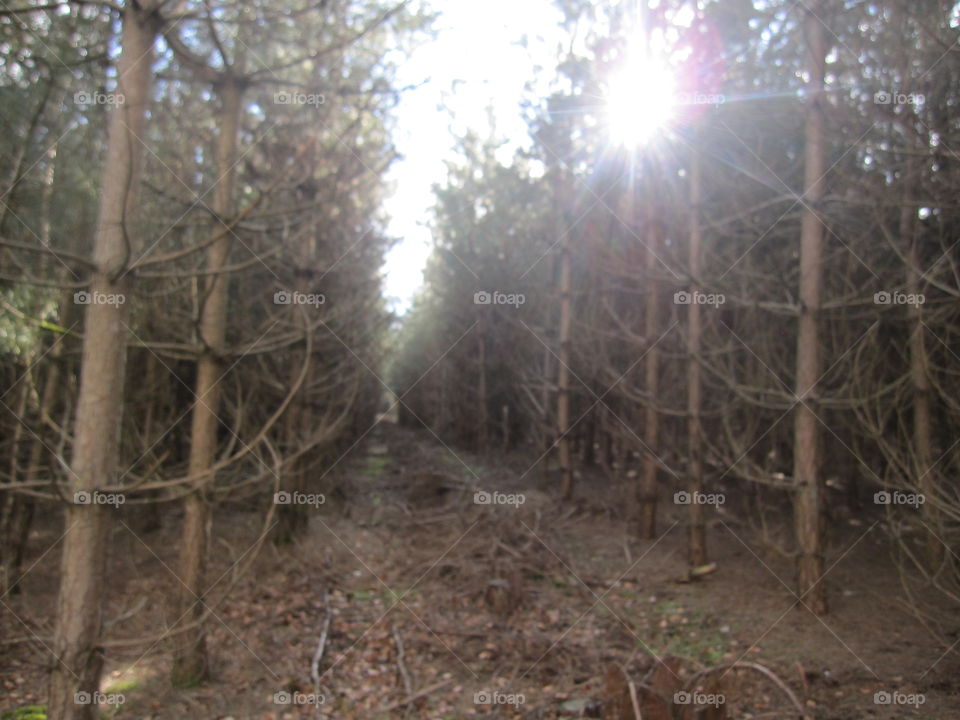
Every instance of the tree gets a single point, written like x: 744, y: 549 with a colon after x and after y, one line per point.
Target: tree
x: 808, y: 511
x: 100, y: 403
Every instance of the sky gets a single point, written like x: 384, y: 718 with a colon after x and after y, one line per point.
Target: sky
x: 476, y: 62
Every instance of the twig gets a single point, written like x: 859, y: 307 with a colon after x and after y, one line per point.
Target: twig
x: 321, y: 646
x: 404, y: 673
x: 634, y: 700
x: 766, y: 672
x: 127, y: 615
x: 416, y: 696
x: 775, y: 680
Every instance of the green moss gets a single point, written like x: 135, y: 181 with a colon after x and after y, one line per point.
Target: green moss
x: 375, y: 465
x: 27, y: 712
x: 123, y: 686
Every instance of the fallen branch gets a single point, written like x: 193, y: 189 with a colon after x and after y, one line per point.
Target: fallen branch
x: 321, y: 646
x: 404, y: 673
x: 634, y: 701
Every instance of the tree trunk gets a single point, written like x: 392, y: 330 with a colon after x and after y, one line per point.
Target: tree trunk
x: 808, y: 515
x: 483, y: 419
x: 697, y: 549
x: 648, y: 487
x: 563, y: 375
x: 547, y: 418
x: 100, y: 402
x: 920, y: 381
x: 190, y: 662
x: 292, y: 518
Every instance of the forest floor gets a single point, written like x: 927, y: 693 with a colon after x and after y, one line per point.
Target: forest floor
x: 429, y: 605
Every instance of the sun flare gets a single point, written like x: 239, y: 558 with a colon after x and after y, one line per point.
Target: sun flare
x: 640, y: 101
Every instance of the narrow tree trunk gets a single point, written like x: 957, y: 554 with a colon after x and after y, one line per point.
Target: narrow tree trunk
x: 924, y: 478
x: 190, y: 662
x: 920, y: 381
x: 808, y: 515
x: 697, y: 550
x: 547, y: 418
x: 648, y: 486
x: 563, y: 375
x: 100, y: 404
x: 505, y: 427
x: 292, y: 519
x: 483, y: 420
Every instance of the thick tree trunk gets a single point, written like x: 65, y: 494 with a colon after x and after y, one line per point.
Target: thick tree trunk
x: 697, y: 549
x: 100, y: 404
x: 190, y: 662
x: 648, y: 486
x: 808, y: 511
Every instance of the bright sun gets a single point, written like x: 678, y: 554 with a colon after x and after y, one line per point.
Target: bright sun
x: 640, y: 101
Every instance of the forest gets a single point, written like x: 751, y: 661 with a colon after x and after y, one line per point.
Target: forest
x: 665, y: 432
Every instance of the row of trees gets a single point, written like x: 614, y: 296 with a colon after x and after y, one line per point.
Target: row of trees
x: 232, y: 263
x: 765, y: 294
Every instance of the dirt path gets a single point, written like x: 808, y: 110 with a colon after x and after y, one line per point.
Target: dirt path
x: 416, y: 590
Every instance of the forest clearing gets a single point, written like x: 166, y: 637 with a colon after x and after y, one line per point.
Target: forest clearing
x: 539, y: 601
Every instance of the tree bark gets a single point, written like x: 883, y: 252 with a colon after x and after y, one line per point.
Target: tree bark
x: 546, y: 395
x: 100, y: 403
x: 808, y: 511
x: 697, y: 549
x: 191, y: 665
x: 920, y: 381
x: 483, y: 420
x: 563, y: 375
x: 648, y: 486
x: 292, y: 518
